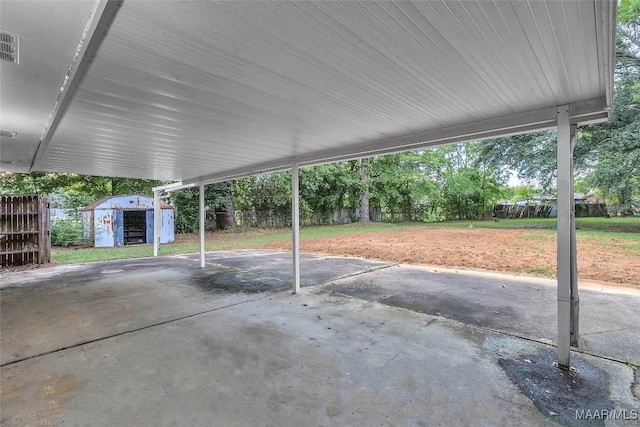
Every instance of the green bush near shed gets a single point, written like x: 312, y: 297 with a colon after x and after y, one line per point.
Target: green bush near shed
x: 66, y: 232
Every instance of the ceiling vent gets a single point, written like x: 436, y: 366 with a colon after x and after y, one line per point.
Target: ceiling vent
x: 8, y: 133
x: 9, y: 47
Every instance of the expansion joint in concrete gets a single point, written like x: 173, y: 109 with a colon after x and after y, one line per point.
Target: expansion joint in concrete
x: 80, y: 344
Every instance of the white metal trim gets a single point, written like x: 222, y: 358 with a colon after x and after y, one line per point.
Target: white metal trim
x: 174, y: 186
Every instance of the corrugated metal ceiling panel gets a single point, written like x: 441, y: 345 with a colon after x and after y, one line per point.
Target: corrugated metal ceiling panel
x: 180, y: 90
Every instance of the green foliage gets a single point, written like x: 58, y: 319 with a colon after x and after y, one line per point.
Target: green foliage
x: 582, y: 185
x: 628, y: 30
x: 615, y: 146
x: 628, y: 11
x: 434, y: 184
x: 187, y: 205
x: 269, y: 195
x: 422, y: 185
x: 524, y: 193
x: 66, y: 232
x: 607, y: 156
x: 396, y: 184
x: 532, y: 156
x: 470, y: 184
x: 325, y: 188
x: 73, y: 191
x: 33, y: 183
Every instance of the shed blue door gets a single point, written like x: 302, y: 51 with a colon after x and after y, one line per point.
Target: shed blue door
x: 118, y: 227
x: 149, y: 226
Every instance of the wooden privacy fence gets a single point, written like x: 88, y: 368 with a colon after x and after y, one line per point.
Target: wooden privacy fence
x: 270, y: 219
x: 24, y: 230
x: 591, y: 210
x: 521, y: 211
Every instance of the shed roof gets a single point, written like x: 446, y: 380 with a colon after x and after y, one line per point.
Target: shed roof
x: 216, y: 90
x: 131, y: 202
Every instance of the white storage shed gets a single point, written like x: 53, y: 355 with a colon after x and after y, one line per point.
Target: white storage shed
x: 125, y: 220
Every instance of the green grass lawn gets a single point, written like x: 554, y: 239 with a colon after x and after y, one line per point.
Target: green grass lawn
x: 224, y: 240
x: 621, y: 225
x: 606, y: 230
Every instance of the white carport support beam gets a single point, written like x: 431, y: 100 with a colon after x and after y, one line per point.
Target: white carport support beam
x: 567, y: 268
x: 295, y: 225
x: 575, y: 300
x: 201, y: 227
x: 157, y: 218
x: 157, y: 208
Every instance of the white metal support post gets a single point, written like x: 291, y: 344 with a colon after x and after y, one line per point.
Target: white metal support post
x: 157, y: 218
x: 201, y: 227
x: 575, y: 300
x: 295, y: 225
x: 565, y: 202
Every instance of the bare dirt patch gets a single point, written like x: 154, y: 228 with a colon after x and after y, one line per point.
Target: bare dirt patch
x: 523, y: 252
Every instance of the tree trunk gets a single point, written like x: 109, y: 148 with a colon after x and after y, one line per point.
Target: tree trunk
x: 364, y: 196
x: 230, y: 215
x: 229, y: 211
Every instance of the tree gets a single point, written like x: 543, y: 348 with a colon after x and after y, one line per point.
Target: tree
x: 532, y: 156
x: 364, y: 192
x: 74, y: 190
x: 607, y: 155
x: 523, y: 193
x: 268, y: 195
x: 615, y: 146
x: 325, y: 189
x: 218, y: 207
x: 628, y: 46
x: 395, y: 183
x: 34, y: 183
x: 470, y: 185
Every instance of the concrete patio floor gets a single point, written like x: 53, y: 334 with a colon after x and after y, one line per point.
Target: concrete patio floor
x: 158, y: 341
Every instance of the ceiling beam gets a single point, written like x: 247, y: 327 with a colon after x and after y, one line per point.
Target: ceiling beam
x: 94, y: 33
x: 581, y: 113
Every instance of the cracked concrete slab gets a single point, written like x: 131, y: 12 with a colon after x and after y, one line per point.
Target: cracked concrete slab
x: 609, y: 323
x: 143, y: 342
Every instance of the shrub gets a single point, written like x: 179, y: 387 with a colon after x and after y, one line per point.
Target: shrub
x: 66, y: 232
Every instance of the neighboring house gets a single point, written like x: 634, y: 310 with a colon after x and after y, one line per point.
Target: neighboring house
x: 125, y: 220
x: 546, y: 205
x: 61, y: 213
x: 586, y: 205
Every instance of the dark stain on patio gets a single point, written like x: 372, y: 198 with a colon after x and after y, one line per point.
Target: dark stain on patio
x: 568, y: 397
x: 452, y: 308
x: 236, y: 281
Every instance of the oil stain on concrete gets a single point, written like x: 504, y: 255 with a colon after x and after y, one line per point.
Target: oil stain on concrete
x: 562, y: 394
x: 235, y: 280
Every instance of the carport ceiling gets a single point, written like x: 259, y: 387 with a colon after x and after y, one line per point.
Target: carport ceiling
x: 190, y: 90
